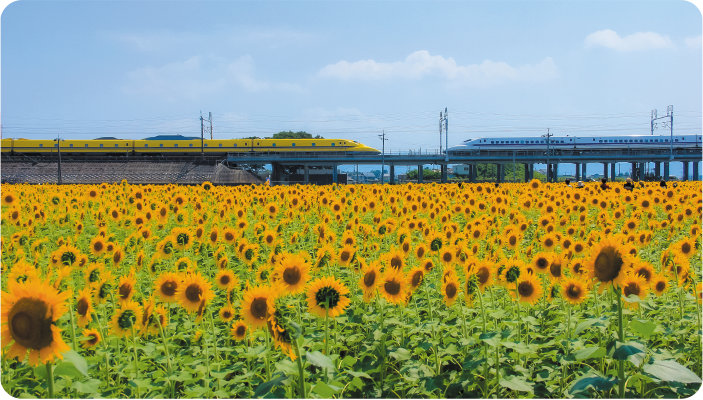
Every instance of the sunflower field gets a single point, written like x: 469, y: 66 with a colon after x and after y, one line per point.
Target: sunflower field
x: 393, y: 291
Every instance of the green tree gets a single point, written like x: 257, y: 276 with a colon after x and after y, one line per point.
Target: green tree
x: 294, y: 135
x: 426, y: 174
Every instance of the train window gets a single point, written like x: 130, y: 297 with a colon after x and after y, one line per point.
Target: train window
x: 146, y: 145
x: 235, y: 145
x: 676, y: 140
x: 70, y: 145
x: 86, y: 145
x: 56, y: 145
x: 594, y: 140
x: 101, y: 145
x: 600, y: 141
x: 492, y: 142
x: 175, y: 145
x: 161, y: 145
x: 41, y: 145
x: 221, y: 145
x: 191, y: 145
x: 257, y: 143
x: 274, y: 144
x: 116, y: 145
x: 332, y: 143
x: 313, y: 144
x: 293, y: 144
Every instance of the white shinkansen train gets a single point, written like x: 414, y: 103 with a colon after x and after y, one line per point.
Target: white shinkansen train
x: 579, y: 143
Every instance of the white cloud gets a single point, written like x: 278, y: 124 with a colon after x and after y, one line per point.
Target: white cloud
x: 197, y: 77
x: 694, y: 42
x: 421, y: 63
x: 636, y: 41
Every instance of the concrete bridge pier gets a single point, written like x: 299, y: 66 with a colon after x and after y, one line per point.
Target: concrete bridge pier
x: 501, y: 173
x: 306, y: 170
x: 584, y: 174
x: 474, y: 173
x: 334, y: 173
x: 549, y: 172
x: 392, y: 173
x: 577, y: 173
x: 527, y: 172
x: 685, y: 170
x: 444, y: 173
x: 420, y: 171
x: 612, y: 172
x: 634, y: 172
x: 276, y: 172
x: 605, y: 171
x: 666, y: 171
x: 695, y: 171
x: 657, y: 170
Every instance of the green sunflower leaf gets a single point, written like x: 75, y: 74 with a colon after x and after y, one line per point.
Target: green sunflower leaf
x: 670, y: 370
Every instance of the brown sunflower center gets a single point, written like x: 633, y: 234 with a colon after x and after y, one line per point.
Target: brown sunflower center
x: 168, y: 288
x: 525, y: 289
x: 512, y: 240
x: 392, y: 287
x: 417, y: 278
x: 82, y: 307
x: 369, y: 278
x: 447, y: 256
x: 573, y: 292
x: 483, y: 274
x: 420, y: 252
x: 193, y: 292
x: 686, y: 248
x: 345, y: 255
x: 608, y: 264
x: 578, y: 248
x: 292, y: 275
x: 451, y: 290
x: 259, y: 307
x: 542, y: 263
x: 241, y: 330
x: 227, y: 314
x: 549, y: 242
x: 125, y: 290
x: 98, y: 246
x: 631, y: 288
x: 644, y: 272
x: 30, y: 322
x: 396, y: 262
x: 224, y: 280
x: 555, y: 269
x: 406, y: 246
x: 661, y: 285
x: 93, y: 339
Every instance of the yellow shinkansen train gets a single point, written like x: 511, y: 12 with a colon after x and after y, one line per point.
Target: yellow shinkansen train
x: 184, y: 146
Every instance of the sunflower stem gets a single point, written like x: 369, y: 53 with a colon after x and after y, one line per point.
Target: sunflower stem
x: 519, y: 339
x: 485, y: 346
x: 268, y: 366
x: 168, y: 357
x: 301, y: 370
x: 136, y: 360
x: 50, y: 378
x: 327, y: 335
x: 621, y: 336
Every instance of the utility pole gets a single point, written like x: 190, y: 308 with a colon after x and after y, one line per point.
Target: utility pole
x: 548, y: 135
x: 58, y: 144
x: 670, y: 116
x: 210, y: 119
x: 383, y: 153
x: 441, y: 119
x: 446, y: 135
x: 202, y: 136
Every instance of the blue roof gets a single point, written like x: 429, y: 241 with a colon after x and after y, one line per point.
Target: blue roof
x: 171, y: 137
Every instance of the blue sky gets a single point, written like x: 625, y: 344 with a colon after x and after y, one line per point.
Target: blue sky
x: 348, y: 69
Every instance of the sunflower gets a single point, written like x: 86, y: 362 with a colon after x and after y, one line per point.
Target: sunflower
x: 97, y: 245
x: 643, y: 269
x: 239, y: 330
x: 447, y: 256
x: 434, y: 241
x: 183, y: 238
x: 369, y: 280
x: 272, y: 209
x: 415, y: 278
x: 574, y: 290
x: 608, y: 264
x: 281, y: 326
x: 294, y: 273
x: 346, y: 254
x: 450, y: 290
x: 511, y: 239
x: 484, y: 274
x: 127, y: 317
x: 126, y: 287
x: 254, y: 305
x: 549, y: 241
x: 393, y: 286
x: 93, y: 338
x: 542, y: 261
x: 633, y: 284
x: 165, y: 248
x: 250, y: 254
x: 226, y: 280
x: 323, y: 256
x: 685, y: 247
x: 117, y: 256
x: 84, y: 308
x: 555, y: 268
x: 226, y: 313
x: 229, y: 235
x: 327, y: 296
x: 659, y: 284
x: 193, y: 291
x: 67, y: 255
x: 166, y: 286
x: 29, y: 311
x: 9, y: 198
x: 529, y: 290
x: 420, y: 251
x: 535, y: 184
x: 512, y: 271
x: 22, y: 271
x: 579, y: 247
